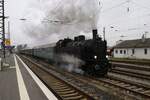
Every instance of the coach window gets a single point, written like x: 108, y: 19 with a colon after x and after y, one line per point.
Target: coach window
x: 116, y: 51
x: 124, y: 51
x: 120, y: 51
x: 145, y: 51
x: 133, y: 51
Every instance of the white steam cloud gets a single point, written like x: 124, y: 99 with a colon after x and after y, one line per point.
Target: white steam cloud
x: 66, y: 18
x: 72, y: 63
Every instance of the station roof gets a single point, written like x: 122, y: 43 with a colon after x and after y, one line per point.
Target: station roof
x: 137, y: 43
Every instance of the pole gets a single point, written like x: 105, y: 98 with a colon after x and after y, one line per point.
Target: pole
x: 3, y: 26
x: 8, y: 34
x: 104, y: 32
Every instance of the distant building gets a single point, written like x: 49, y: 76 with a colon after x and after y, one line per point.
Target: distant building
x: 136, y: 49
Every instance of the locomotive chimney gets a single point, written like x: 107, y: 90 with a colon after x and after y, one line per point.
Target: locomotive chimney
x: 94, y: 34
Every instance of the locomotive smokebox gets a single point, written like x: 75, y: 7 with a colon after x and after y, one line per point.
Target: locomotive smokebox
x: 94, y: 34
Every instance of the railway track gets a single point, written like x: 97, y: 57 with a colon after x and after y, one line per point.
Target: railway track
x: 126, y: 89
x: 131, y: 66
x: 141, y: 72
x: 67, y: 88
x: 131, y: 88
x: 60, y: 88
x: 136, y: 90
x: 132, y: 74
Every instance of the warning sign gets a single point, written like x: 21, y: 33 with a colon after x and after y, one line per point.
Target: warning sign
x: 7, y: 42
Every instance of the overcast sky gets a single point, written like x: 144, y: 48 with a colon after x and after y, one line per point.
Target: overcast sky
x: 123, y: 19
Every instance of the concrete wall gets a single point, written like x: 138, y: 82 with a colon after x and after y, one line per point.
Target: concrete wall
x: 141, y: 55
x: 128, y: 53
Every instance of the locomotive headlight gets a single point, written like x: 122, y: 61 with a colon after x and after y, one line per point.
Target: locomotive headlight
x: 107, y: 56
x: 95, y: 57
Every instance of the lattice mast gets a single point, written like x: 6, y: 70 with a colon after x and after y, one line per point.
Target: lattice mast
x: 2, y: 26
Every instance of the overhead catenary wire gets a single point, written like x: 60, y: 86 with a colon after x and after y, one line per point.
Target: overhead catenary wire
x: 127, y: 33
x: 135, y: 30
x: 125, y: 2
x: 115, y: 6
x: 121, y: 20
x: 118, y: 5
x: 125, y: 18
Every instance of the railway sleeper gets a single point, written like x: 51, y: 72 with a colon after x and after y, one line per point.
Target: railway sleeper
x: 132, y: 87
x: 113, y: 81
x: 79, y: 97
x: 141, y: 91
x: 61, y: 90
x: 127, y: 85
x: 121, y: 83
x: 71, y: 94
x: 59, y: 85
x: 56, y: 82
x: 146, y: 92
x: 138, y: 89
x: 67, y: 92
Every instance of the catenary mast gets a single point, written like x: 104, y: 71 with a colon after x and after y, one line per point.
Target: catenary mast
x: 2, y: 26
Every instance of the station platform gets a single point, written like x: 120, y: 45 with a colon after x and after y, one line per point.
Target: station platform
x: 18, y: 82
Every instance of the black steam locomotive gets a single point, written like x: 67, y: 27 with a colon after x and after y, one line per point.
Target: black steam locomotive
x: 79, y: 55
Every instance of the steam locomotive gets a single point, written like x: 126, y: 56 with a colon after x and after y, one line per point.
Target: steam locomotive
x: 79, y: 55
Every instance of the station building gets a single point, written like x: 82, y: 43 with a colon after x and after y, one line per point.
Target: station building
x: 134, y: 49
